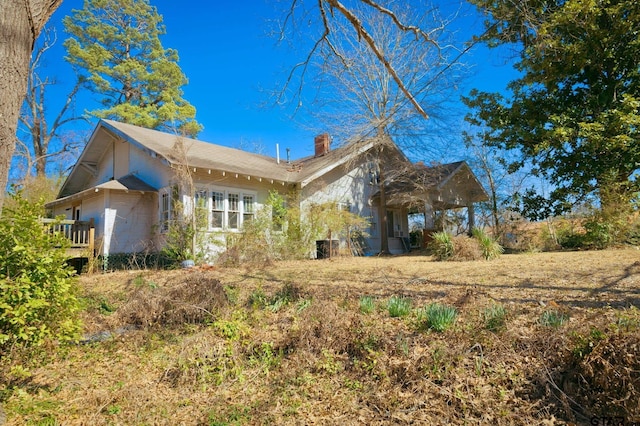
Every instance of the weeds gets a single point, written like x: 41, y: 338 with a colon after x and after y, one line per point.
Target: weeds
x: 584, y: 344
x: 287, y: 294
x: 399, y: 306
x: 437, y: 317
x: 266, y: 357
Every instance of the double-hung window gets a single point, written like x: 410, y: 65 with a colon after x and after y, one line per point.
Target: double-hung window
x: 217, y: 209
x: 168, y: 198
x: 228, y: 209
x: 201, y: 209
x: 234, y: 210
x: 165, y: 211
x: 248, y: 209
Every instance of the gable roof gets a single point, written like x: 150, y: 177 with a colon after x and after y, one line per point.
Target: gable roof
x: 410, y: 188
x: 202, y: 155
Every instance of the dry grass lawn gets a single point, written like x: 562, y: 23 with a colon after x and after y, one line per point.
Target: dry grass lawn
x: 292, y: 343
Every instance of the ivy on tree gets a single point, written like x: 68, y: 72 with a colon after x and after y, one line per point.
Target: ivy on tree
x: 117, y: 44
x: 573, y: 114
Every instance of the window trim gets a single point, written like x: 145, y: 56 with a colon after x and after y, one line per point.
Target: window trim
x: 226, y: 206
x: 166, y: 211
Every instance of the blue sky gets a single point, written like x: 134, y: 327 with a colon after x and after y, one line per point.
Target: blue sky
x: 232, y: 64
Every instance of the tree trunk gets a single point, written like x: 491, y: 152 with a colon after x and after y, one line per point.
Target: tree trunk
x: 382, y: 214
x: 20, y: 24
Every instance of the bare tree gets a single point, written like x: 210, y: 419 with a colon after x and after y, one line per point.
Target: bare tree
x: 36, y: 145
x: 361, y: 101
x: 335, y: 22
x: 20, y: 24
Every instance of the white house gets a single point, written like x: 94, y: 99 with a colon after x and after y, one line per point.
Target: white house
x: 125, y: 176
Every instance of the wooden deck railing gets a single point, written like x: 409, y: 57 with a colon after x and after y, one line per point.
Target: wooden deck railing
x: 81, y: 234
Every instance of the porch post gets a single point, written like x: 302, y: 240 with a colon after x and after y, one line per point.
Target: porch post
x: 472, y: 219
x: 429, y: 221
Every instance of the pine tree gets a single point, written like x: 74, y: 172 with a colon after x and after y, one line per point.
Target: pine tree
x: 116, y: 44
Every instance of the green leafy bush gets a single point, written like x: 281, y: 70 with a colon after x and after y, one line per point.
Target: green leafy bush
x: 399, y: 306
x: 37, y: 289
x: 437, y: 317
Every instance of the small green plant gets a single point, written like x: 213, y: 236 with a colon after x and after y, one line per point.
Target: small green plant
x: 629, y: 319
x: 489, y: 247
x: 553, y: 319
x: 585, y: 344
x: 266, y: 357
x: 235, y: 415
x: 367, y: 304
x: 329, y: 363
x: 441, y: 245
x: 231, y: 293
x: 494, y: 317
x: 399, y: 306
x: 437, y: 317
x: 303, y: 304
x: 258, y: 299
x: 287, y: 294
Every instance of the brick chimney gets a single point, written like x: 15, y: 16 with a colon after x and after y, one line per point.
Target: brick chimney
x: 321, y: 144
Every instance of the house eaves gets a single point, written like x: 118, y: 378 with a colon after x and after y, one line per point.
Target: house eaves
x: 478, y: 195
x: 202, y: 155
x: 129, y: 183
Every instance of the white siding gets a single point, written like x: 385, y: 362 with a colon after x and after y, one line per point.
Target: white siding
x: 149, y: 168
x: 128, y: 221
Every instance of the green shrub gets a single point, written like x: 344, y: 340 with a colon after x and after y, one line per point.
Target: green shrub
x: 489, y: 247
x: 399, y: 306
x: 437, y: 317
x: 441, y: 245
x: 367, y: 304
x: 37, y: 289
x: 553, y: 319
x: 494, y: 317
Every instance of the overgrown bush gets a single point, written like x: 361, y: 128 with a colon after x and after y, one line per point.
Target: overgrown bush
x: 195, y: 298
x: 37, y: 288
x: 444, y: 246
x: 281, y: 231
x: 465, y: 249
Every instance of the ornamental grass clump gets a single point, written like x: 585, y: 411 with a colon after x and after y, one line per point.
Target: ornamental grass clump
x: 488, y: 246
x: 494, y: 317
x: 437, y: 317
x: 441, y: 245
x: 399, y: 306
x: 367, y: 304
x: 553, y: 319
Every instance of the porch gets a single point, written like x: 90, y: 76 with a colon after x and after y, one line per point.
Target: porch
x: 81, y: 235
